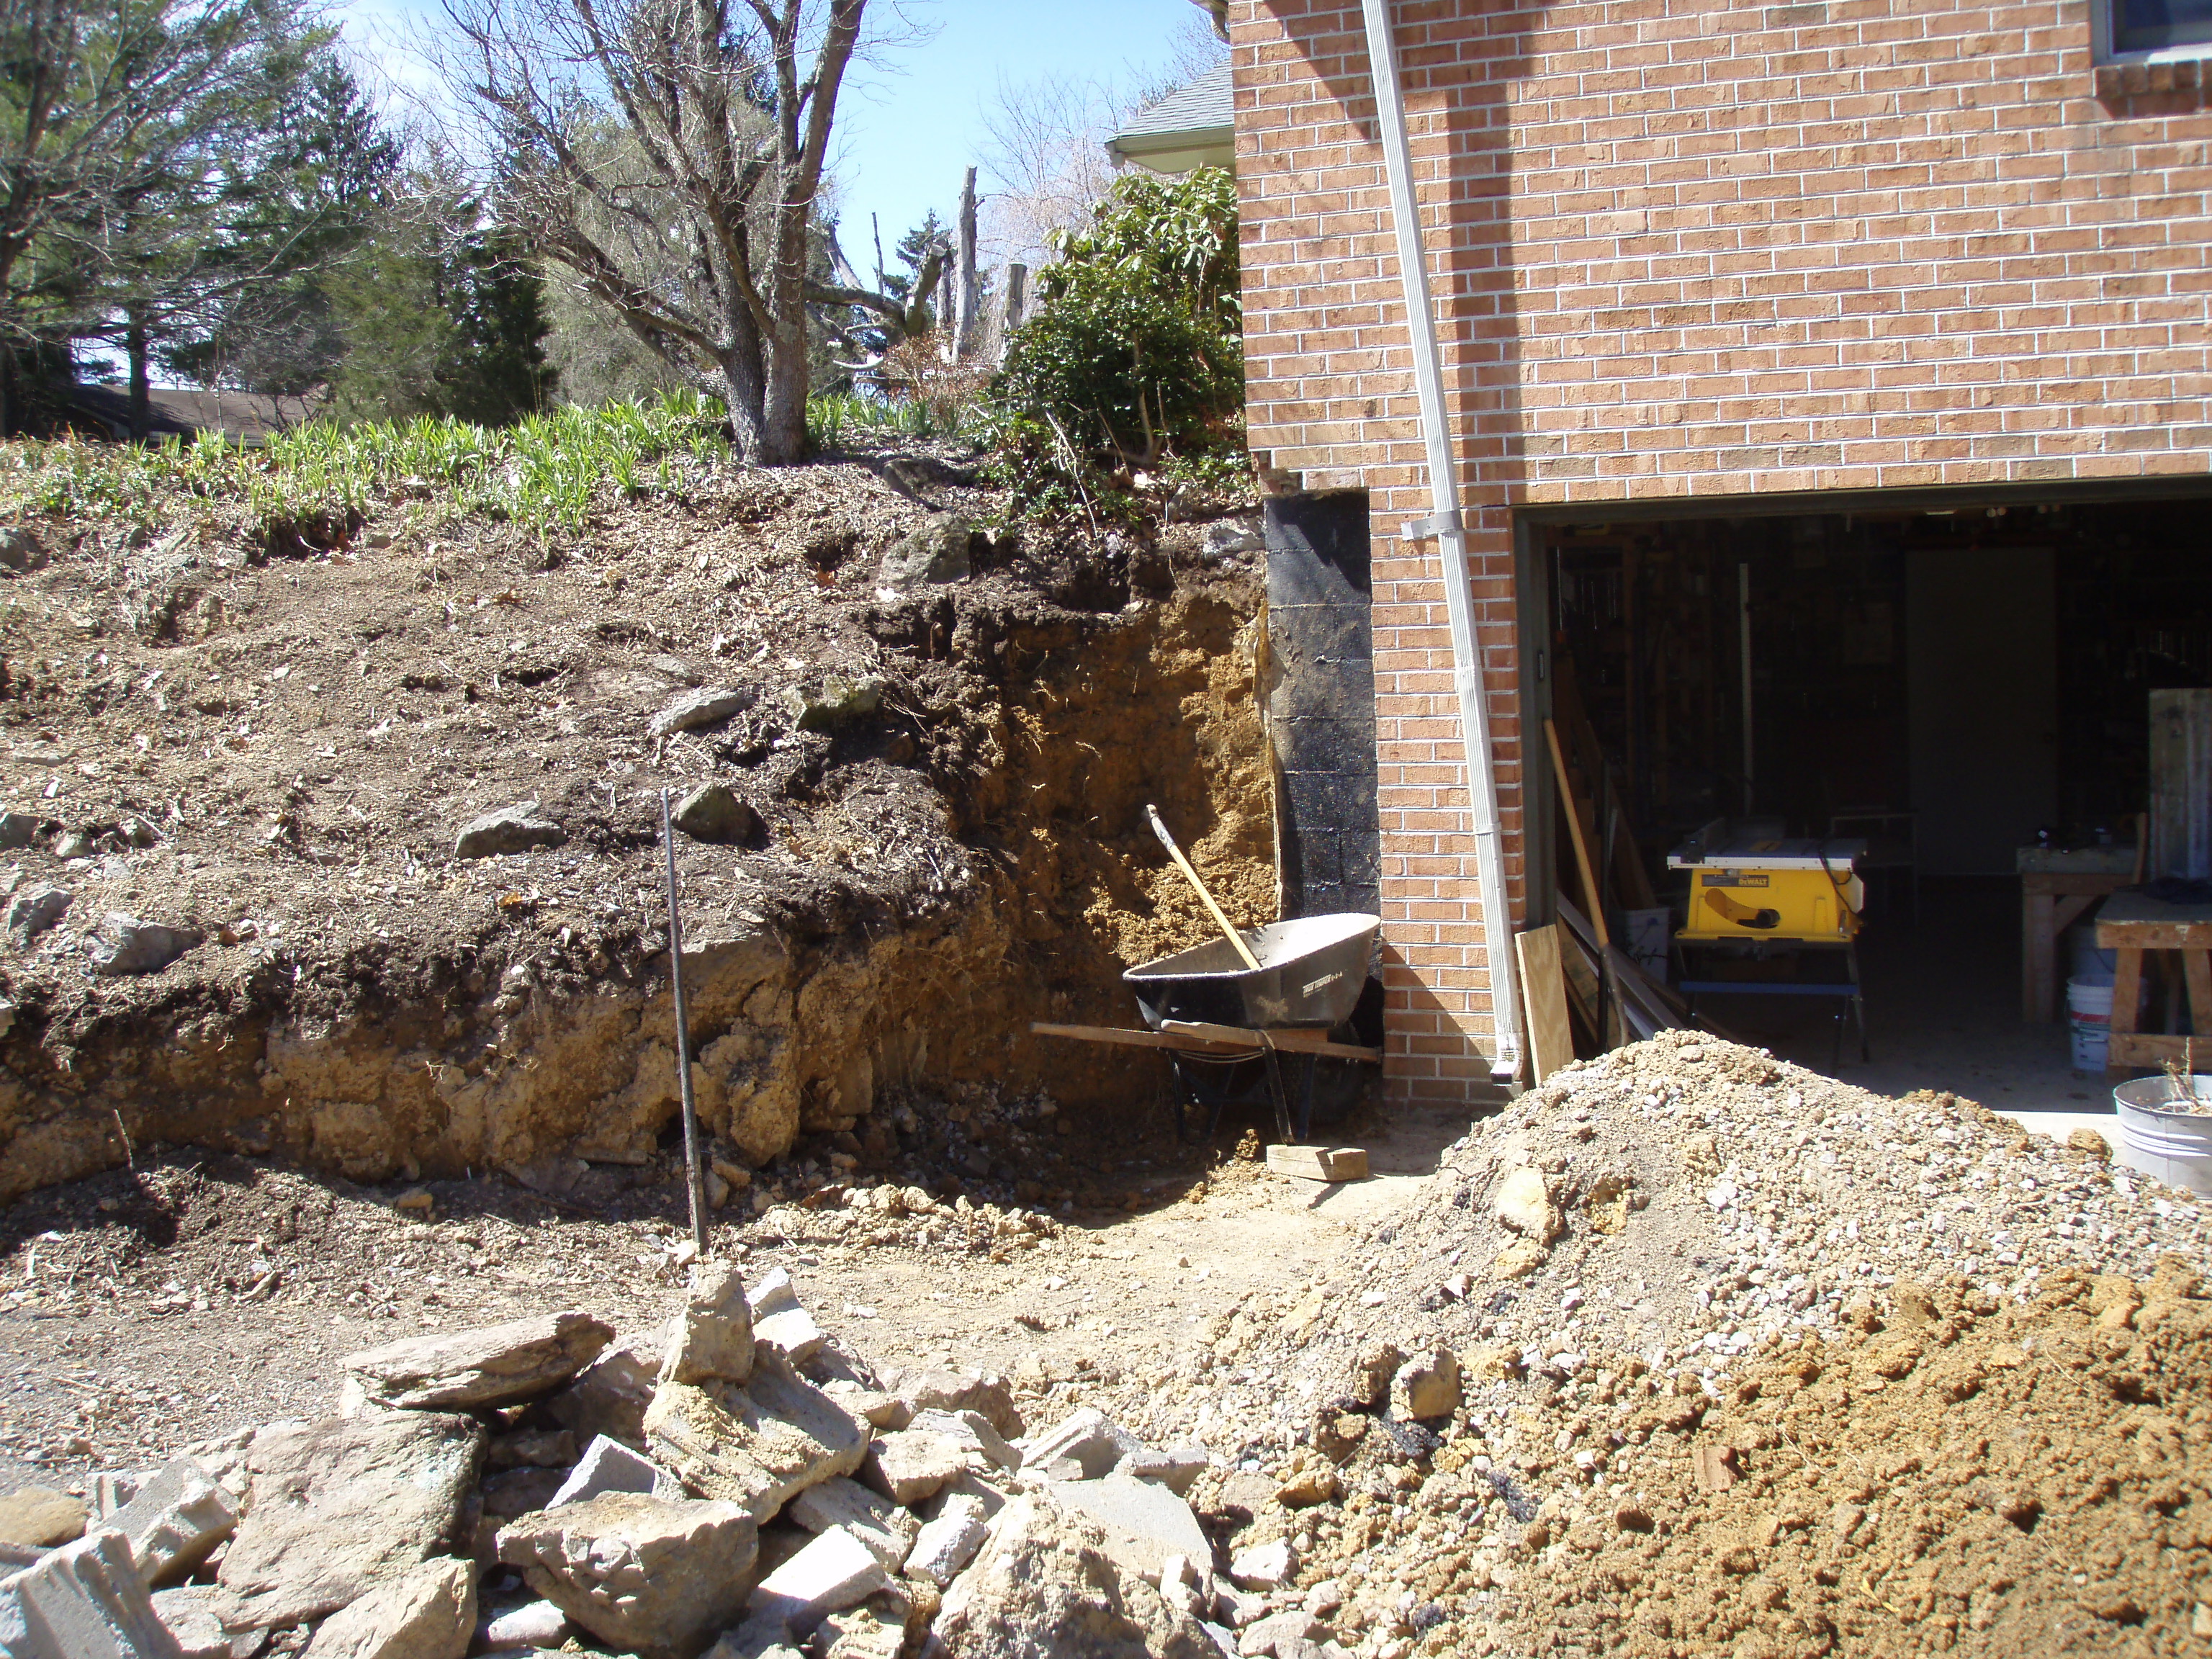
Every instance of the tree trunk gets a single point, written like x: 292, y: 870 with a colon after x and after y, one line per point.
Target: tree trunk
x: 967, y: 292
x: 1014, y: 302
x: 142, y: 421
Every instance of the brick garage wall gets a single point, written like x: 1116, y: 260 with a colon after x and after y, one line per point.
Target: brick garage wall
x: 1686, y: 249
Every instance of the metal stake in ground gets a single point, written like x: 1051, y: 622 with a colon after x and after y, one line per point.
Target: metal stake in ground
x: 693, y: 1178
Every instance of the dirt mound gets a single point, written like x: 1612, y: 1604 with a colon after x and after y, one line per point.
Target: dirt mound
x: 276, y: 756
x: 1630, y: 1271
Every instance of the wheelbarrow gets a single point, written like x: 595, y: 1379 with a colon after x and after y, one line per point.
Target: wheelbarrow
x: 1308, y: 979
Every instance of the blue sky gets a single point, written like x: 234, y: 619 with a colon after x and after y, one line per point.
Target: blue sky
x: 911, y: 118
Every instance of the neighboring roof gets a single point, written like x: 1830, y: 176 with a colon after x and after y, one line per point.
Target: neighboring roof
x: 241, y: 416
x: 1194, y: 126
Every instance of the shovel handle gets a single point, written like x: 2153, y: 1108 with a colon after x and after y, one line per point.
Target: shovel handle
x: 1191, y: 876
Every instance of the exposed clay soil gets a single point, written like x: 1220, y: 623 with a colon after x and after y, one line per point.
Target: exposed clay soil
x: 296, y: 737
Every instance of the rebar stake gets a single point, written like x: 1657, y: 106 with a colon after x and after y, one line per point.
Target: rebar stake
x: 695, y: 1178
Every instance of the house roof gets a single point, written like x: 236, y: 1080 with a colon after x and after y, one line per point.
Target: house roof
x: 1192, y: 126
x: 241, y: 416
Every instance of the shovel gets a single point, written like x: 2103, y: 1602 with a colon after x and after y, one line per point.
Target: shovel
x: 1191, y: 876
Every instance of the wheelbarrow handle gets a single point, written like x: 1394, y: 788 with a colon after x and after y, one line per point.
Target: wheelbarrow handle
x: 1159, y: 829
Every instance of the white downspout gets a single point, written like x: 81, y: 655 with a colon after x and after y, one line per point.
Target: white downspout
x: 1445, y: 525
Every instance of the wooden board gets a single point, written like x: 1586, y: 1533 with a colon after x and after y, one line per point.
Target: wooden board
x: 1544, y: 994
x: 1319, y: 1163
x: 1593, y: 899
x: 1129, y: 1039
x: 1291, y: 1040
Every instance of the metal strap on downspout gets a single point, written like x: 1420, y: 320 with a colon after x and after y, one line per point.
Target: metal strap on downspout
x: 1446, y: 525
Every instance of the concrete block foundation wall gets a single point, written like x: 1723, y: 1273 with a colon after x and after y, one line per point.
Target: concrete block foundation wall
x: 1687, y: 250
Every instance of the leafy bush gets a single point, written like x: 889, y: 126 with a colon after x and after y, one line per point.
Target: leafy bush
x: 1136, y: 352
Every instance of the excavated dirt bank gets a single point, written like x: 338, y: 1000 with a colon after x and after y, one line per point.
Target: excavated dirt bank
x: 277, y: 755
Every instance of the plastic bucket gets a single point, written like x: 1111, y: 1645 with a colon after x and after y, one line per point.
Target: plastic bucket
x: 2089, y: 1011
x: 2090, y: 965
x: 2175, y: 1146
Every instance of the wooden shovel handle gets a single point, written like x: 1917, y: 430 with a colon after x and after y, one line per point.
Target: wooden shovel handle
x: 1191, y: 876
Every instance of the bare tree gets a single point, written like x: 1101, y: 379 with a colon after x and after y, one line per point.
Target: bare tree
x: 668, y: 154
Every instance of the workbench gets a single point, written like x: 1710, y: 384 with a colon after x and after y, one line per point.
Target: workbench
x: 2056, y: 889
x: 2131, y: 924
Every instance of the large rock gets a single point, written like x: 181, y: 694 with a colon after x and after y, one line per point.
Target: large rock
x: 887, y: 1529
x: 41, y: 1517
x: 1143, y: 1523
x: 1427, y: 1385
x: 711, y: 1339
x: 946, y: 1545
x: 836, y: 699
x: 712, y: 813
x: 1086, y: 1437
x: 936, y: 551
x: 835, y: 1571
x: 981, y: 1444
x: 472, y: 1370
x: 128, y: 945
x: 790, y: 1332
x: 655, y: 1578
x: 710, y: 705
x: 35, y: 910
x: 910, y: 1465
x: 336, y: 1508
x: 1524, y: 1204
x: 85, y: 1600
x: 609, y: 1396
x: 175, y: 1520
x: 759, y: 1447
x: 428, y: 1614
x: 511, y: 829
x: 1044, y: 1584
x: 609, y: 1466
x: 193, y: 1613
x: 963, y: 1391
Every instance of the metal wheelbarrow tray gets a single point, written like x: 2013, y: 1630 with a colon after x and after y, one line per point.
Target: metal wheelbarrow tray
x: 1310, y: 975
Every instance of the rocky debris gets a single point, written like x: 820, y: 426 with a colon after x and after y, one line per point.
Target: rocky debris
x: 193, y: 1615
x: 936, y: 552
x: 1087, y: 1446
x: 946, y: 1545
x: 1427, y: 1386
x: 1142, y: 1523
x: 17, y: 831
x: 791, y: 1332
x: 910, y: 1465
x: 982, y: 1447
x: 21, y: 550
x: 608, y: 1466
x: 1045, y: 1584
x: 963, y: 1391
x: 609, y: 1396
x: 336, y: 1508
x: 832, y: 700
x: 533, y: 1625
x: 428, y: 1612
x: 712, y: 1338
x: 1524, y: 1204
x: 125, y: 945
x: 175, y: 1522
x: 515, y: 829
x: 542, y: 1449
x: 712, y: 813
x: 491, y: 1366
x: 35, y: 910
x: 758, y: 1447
x: 83, y: 1600
x: 694, y: 711
x: 640, y: 1573
x: 886, y: 1528
x: 41, y: 1517
x: 1264, y: 1566
x: 835, y: 1572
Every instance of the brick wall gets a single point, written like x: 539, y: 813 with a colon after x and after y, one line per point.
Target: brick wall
x: 1684, y: 250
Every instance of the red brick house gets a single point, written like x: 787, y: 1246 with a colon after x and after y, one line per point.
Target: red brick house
x: 1825, y: 385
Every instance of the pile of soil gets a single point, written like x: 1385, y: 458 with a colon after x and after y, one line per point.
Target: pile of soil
x: 1741, y: 1329
x: 274, y: 746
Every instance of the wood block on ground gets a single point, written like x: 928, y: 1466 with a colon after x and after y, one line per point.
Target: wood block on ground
x: 1319, y: 1163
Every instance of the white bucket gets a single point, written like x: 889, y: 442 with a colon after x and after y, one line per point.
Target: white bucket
x: 2089, y: 1009
x: 2174, y: 1146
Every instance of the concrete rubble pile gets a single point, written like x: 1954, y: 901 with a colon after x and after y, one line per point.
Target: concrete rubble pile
x: 725, y: 1484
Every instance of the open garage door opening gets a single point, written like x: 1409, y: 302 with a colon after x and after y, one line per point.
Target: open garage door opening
x: 1953, y: 701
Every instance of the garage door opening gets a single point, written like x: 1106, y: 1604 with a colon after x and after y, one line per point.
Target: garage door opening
x: 1965, y: 690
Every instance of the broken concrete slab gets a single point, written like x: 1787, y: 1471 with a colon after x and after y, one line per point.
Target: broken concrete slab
x: 82, y: 1601
x: 336, y: 1508
x: 692, y: 711
x: 979, y: 1442
x: 947, y: 1545
x: 835, y: 1571
x: 1175, y: 1468
x: 1143, y: 1523
x: 963, y: 1391
x: 40, y: 1518
x: 759, y: 1447
x: 790, y: 1332
x: 966, y: 1488
x: 909, y: 1465
x: 887, y: 1529
x: 1088, y: 1438
x: 609, y: 1396
x: 711, y: 1339
x: 772, y: 1293
x: 609, y: 1466
x: 175, y: 1522
x: 429, y: 1612
x: 475, y: 1369
x: 193, y: 1614
x: 510, y: 830
x: 652, y: 1577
